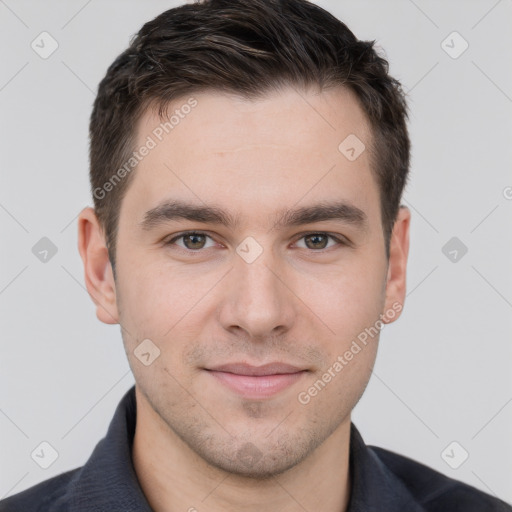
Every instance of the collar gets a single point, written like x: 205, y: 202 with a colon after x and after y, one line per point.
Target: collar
x: 375, y: 488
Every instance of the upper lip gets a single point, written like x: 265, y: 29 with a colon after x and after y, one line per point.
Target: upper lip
x: 247, y: 369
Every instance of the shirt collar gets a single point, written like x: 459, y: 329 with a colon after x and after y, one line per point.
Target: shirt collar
x: 374, y: 487
x: 108, y: 480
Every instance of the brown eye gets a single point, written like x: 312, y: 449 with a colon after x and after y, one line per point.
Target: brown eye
x: 316, y: 241
x: 192, y: 241
x: 319, y: 241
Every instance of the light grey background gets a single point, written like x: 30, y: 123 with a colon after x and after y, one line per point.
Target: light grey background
x: 443, y: 372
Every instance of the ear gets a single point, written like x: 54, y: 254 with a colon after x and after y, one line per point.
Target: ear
x: 397, y: 265
x: 99, y: 278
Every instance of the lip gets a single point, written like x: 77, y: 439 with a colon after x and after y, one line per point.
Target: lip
x: 256, y: 382
x: 248, y: 369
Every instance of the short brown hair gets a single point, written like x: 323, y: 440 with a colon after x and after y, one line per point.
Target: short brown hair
x: 248, y: 47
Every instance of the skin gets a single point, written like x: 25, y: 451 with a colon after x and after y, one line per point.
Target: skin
x: 293, y: 304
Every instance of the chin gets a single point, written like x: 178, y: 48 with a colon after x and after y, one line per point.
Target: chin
x: 263, y: 469
x: 261, y: 459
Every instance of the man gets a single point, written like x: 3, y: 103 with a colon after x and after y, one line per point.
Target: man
x: 247, y: 163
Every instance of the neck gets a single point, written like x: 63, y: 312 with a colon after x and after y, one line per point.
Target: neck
x: 173, y: 477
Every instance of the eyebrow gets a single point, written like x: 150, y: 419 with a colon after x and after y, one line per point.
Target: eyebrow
x: 175, y: 209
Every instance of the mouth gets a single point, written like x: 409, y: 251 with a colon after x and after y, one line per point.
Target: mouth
x: 256, y: 382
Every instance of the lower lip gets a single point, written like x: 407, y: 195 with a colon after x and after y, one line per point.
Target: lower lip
x: 251, y: 386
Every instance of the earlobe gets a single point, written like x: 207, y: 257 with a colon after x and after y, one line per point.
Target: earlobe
x: 99, y: 278
x: 397, y: 268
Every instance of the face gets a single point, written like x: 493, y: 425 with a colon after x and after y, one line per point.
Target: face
x: 252, y: 296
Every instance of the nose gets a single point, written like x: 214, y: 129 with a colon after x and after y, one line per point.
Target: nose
x: 258, y: 297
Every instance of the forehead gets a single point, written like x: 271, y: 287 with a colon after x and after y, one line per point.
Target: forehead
x: 286, y: 147
x: 211, y: 115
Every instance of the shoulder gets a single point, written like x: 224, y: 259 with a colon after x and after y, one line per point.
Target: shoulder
x: 48, y: 496
x: 437, y: 492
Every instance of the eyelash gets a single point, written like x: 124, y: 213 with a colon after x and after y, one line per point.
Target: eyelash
x: 339, y: 241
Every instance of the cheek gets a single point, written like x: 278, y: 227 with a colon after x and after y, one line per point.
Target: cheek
x: 160, y: 301
x: 159, y: 307
x: 349, y: 303
x: 332, y: 393
x: 348, y: 298
x: 141, y: 298
x: 350, y: 351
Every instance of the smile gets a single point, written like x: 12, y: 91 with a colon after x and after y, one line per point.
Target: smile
x: 257, y: 382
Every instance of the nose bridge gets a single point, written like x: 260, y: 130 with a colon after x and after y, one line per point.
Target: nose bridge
x: 258, y: 302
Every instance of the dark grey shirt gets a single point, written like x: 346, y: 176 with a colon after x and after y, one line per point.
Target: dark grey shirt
x: 382, y: 481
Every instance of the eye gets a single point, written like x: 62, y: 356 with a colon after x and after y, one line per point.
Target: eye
x: 192, y: 240
x: 318, y: 241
